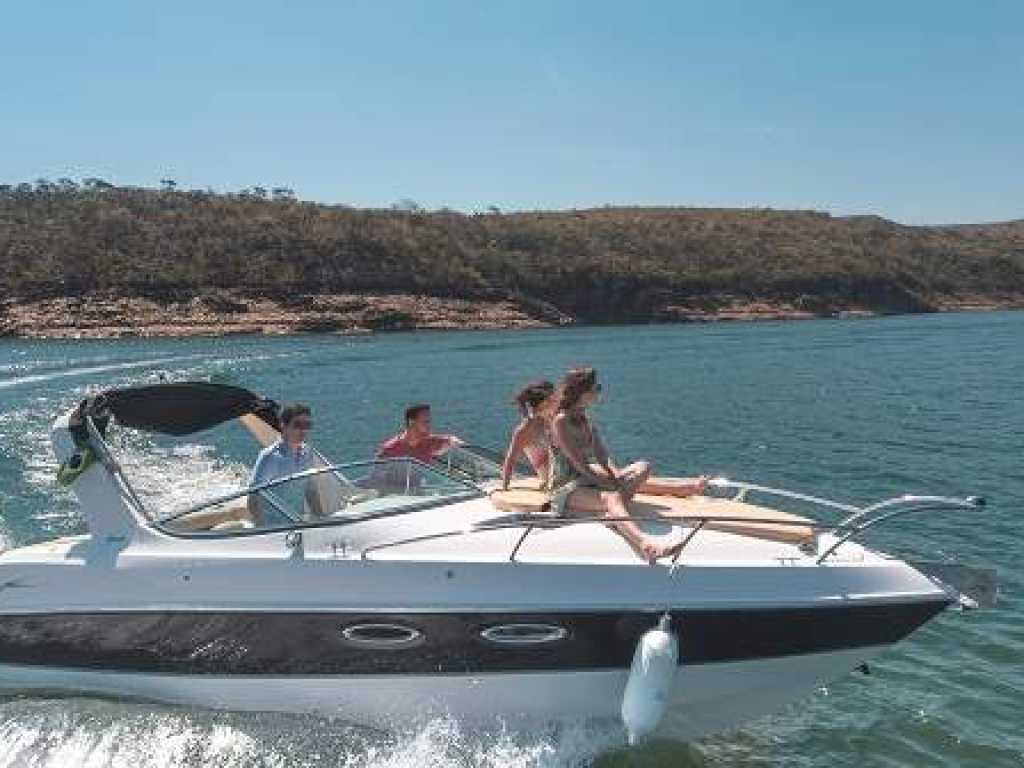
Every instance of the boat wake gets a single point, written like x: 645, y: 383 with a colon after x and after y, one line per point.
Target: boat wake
x: 48, y: 733
x: 177, y: 477
x: 37, y: 378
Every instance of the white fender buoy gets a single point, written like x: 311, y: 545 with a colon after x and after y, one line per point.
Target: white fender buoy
x: 650, y: 680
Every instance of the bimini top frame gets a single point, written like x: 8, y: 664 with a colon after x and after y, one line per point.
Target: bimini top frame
x: 171, y: 408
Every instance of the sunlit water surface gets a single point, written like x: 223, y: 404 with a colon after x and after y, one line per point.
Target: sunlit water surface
x: 852, y: 409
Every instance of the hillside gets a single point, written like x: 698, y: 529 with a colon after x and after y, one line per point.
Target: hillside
x: 70, y: 251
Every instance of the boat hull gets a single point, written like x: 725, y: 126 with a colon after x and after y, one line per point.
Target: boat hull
x: 258, y: 625
x: 705, y: 697
x: 302, y: 643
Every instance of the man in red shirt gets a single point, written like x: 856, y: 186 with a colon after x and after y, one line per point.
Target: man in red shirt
x: 417, y: 441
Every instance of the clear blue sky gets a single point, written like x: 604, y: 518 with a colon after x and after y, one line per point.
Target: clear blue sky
x: 912, y: 110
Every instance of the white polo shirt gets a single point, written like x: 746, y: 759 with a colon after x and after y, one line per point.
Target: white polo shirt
x: 278, y: 460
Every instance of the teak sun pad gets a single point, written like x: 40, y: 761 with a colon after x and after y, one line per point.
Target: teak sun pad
x: 588, y: 502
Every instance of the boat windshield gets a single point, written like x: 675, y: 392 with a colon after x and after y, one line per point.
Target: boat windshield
x: 329, y: 494
x: 479, y: 465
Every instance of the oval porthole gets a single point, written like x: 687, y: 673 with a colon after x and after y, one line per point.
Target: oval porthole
x: 382, y: 636
x: 524, y: 634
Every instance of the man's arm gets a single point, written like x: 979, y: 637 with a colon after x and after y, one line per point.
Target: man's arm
x: 252, y: 501
x: 441, y: 444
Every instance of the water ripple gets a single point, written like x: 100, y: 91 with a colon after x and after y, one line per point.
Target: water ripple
x: 854, y: 410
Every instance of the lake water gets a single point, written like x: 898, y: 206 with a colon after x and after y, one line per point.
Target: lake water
x: 856, y: 409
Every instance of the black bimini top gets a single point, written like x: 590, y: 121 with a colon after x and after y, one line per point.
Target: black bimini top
x: 177, y: 408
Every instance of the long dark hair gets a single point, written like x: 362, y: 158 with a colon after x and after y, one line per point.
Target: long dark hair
x: 577, y: 382
x: 532, y: 395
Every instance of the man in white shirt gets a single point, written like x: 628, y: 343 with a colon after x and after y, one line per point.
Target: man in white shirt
x: 288, y: 456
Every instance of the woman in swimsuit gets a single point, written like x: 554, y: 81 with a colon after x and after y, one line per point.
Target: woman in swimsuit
x: 536, y: 403
x: 580, y: 460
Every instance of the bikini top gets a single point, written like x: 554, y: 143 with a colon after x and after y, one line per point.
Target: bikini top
x: 539, y: 444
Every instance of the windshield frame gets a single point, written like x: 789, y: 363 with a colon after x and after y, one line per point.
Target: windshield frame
x: 472, y: 491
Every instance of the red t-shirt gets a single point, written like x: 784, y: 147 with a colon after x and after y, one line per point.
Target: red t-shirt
x: 425, y: 450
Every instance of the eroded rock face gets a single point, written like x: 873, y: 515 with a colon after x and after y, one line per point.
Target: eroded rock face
x: 223, y: 313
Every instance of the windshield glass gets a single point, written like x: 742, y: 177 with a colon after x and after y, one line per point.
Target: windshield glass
x: 479, y: 465
x: 324, y: 494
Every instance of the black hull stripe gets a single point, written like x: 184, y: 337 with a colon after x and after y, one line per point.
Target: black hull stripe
x: 249, y: 643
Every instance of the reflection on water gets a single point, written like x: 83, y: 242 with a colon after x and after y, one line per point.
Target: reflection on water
x: 856, y: 410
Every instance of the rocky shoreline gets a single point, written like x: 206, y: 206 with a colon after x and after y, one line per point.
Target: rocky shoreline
x: 223, y: 313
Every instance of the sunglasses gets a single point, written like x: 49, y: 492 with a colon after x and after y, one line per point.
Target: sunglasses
x: 301, y: 424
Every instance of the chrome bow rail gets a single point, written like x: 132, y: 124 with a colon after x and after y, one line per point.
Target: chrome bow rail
x: 533, y: 522
x: 480, y: 464
x: 857, y: 521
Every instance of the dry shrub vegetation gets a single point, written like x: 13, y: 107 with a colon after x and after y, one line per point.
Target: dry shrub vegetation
x: 61, y: 239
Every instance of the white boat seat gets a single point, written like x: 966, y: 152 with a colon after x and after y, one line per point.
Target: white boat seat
x: 215, y: 519
x: 233, y: 525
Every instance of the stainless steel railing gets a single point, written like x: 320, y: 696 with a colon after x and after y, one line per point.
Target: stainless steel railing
x: 533, y: 522
x: 846, y: 530
x: 859, y: 519
x: 742, y: 489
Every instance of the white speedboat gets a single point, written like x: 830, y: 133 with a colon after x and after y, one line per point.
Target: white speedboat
x: 403, y: 592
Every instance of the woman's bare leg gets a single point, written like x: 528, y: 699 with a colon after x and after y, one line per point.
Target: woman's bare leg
x: 632, y: 477
x: 586, y: 501
x: 648, y: 548
x: 591, y: 501
x: 674, y: 486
